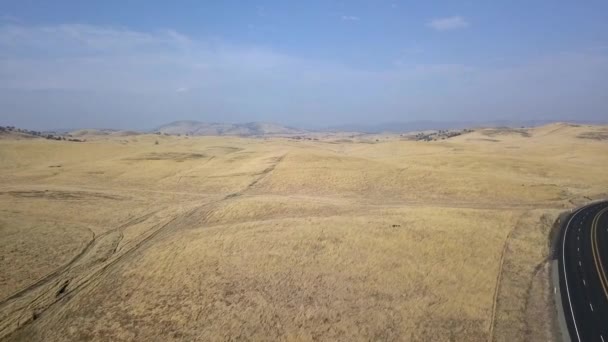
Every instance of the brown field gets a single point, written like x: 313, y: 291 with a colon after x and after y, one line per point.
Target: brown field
x: 226, y: 238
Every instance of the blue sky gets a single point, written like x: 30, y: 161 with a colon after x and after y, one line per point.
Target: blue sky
x: 138, y: 64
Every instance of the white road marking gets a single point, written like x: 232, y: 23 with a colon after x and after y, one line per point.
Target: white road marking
x: 591, y: 306
x: 584, y: 282
x: 602, y: 337
x: 578, y: 336
x: 579, y: 263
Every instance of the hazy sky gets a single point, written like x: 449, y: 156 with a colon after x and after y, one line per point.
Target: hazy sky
x: 138, y: 64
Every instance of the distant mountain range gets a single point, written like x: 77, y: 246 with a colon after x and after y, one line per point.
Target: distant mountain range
x: 191, y: 127
x: 245, y: 129
x: 415, y: 126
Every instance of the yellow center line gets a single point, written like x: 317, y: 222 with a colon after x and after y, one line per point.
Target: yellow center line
x: 596, y: 254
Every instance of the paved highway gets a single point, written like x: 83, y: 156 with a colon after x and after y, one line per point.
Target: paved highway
x: 583, y: 267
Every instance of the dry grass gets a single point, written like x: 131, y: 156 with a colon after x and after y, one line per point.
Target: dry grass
x: 272, y: 239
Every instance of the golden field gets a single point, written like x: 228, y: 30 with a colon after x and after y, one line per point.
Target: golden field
x: 230, y: 238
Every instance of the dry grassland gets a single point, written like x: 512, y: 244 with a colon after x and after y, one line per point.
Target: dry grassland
x: 225, y: 238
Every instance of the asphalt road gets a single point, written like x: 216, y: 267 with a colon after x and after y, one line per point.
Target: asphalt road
x: 583, y: 273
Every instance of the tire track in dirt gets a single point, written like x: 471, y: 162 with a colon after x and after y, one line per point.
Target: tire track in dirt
x: 185, y: 216
x: 63, y: 286
x: 185, y: 173
x: 18, y: 305
x: 499, y: 278
x: 47, y: 278
x: 267, y: 171
x: 59, y: 289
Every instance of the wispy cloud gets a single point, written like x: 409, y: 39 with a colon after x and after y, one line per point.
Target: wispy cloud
x: 7, y: 18
x: 260, y: 11
x: 141, y: 76
x: 350, y: 18
x: 448, y: 23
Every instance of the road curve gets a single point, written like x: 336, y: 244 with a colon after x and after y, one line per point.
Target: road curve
x: 583, y: 273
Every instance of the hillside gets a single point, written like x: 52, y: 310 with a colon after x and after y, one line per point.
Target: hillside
x: 216, y: 238
x: 211, y: 129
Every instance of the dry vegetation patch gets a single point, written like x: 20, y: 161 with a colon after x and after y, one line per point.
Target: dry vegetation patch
x: 492, y: 132
x: 312, y: 278
x: 602, y: 135
x: 62, y: 195
x: 223, y: 238
x: 175, y: 156
x: 523, y: 303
